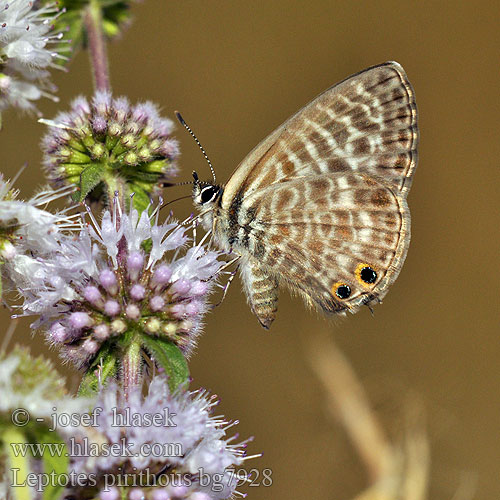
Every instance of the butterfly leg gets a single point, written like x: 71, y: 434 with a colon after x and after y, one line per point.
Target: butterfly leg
x: 262, y: 292
x: 226, y: 287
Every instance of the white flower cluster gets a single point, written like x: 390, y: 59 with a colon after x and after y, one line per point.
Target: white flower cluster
x: 54, y: 278
x: 26, y: 53
x: 96, y: 285
x: 28, y: 231
x: 37, y: 230
x: 34, y: 400
x: 200, y: 437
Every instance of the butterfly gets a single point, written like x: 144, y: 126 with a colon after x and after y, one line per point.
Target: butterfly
x: 320, y: 204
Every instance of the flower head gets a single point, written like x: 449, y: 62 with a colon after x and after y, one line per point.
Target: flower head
x: 164, y: 460
x: 108, y: 143
x: 34, y: 385
x: 26, y: 52
x: 124, y: 275
x: 116, y: 18
x: 27, y: 229
x: 33, y: 397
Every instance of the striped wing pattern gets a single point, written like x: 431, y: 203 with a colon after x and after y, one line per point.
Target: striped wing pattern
x: 316, y: 232
x: 325, y: 193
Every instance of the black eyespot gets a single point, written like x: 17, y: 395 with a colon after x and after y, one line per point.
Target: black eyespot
x: 343, y: 291
x: 368, y: 275
x: 208, y: 193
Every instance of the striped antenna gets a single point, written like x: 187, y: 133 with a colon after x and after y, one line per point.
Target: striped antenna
x: 188, y: 128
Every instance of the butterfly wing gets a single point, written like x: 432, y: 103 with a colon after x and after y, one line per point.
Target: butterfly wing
x: 366, y: 123
x: 320, y: 203
x: 328, y: 231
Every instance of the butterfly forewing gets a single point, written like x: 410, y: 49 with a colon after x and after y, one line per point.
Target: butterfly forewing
x: 320, y: 204
x: 366, y: 123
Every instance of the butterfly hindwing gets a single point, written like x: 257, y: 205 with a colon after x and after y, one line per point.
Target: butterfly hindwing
x: 319, y: 233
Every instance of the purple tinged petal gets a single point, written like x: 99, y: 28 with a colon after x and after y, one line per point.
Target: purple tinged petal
x: 136, y: 494
x: 193, y: 308
x: 121, y: 108
x: 133, y: 312
x: 199, y: 495
x: 136, y: 229
x: 137, y: 292
x: 178, y: 311
x: 90, y: 346
x: 93, y: 295
x: 164, y: 127
x: 145, y: 112
x: 108, y: 280
x: 112, y: 494
x: 110, y: 235
x: 178, y: 491
x: 81, y: 105
x: 101, y: 332
x: 199, y: 288
x: 162, y: 275
x: 135, y: 262
x: 101, y: 101
x: 161, y: 494
x: 156, y: 303
x: 181, y: 287
x: 170, y: 148
x: 58, y: 332
x: 99, y: 124
x: 112, y: 308
x: 163, y: 242
x: 79, y: 320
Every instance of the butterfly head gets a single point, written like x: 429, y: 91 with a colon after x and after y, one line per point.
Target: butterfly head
x: 205, y: 194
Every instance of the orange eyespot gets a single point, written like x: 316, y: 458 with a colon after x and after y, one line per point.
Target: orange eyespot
x: 365, y: 274
x: 341, y: 290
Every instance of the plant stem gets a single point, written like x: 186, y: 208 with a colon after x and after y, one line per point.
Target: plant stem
x: 349, y: 403
x: 114, y: 188
x: 97, y: 46
x: 131, y: 372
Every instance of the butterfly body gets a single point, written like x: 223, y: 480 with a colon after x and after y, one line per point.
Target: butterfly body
x: 320, y: 205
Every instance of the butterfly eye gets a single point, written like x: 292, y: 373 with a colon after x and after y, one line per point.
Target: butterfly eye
x: 366, y: 274
x: 207, y: 194
x: 341, y: 290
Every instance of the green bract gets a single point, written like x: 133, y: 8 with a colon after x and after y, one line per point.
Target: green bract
x: 115, y: 17
x: 109, y: 146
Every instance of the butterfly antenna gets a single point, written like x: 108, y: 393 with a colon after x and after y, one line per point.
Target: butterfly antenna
x: 176, y: 199
x: 188, y: 128
x: 172, y: 184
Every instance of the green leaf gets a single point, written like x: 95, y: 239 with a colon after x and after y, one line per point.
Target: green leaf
x: 89, y: 178
x: 147, y: 245
x: 141, y: 199
x: 115, y: 16
x: 53, y: 462
x: 170, y: 358
x: 107, y: 361
x: 18, y: 464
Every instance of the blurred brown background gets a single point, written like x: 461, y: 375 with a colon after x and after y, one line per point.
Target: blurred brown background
x: 237, y: 70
